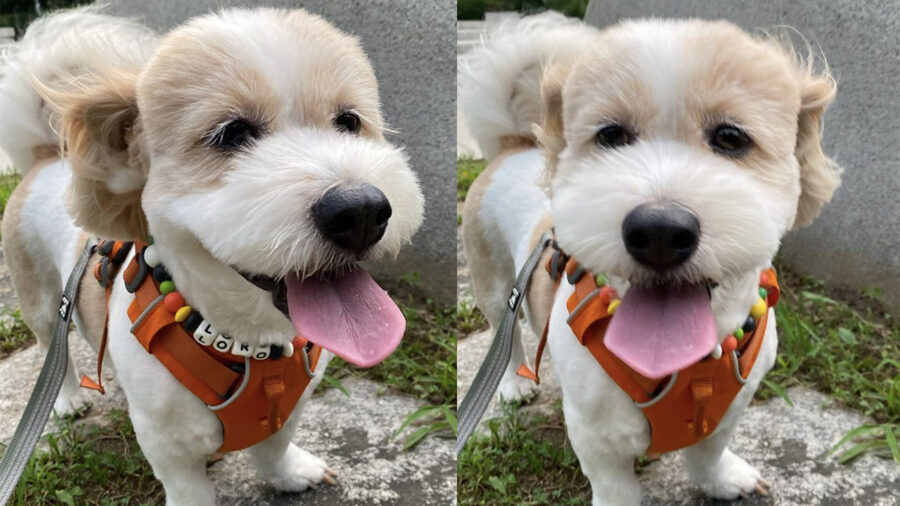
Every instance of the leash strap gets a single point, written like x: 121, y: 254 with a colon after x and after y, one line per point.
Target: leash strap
x: 489, y: 374
x: 50, y: 380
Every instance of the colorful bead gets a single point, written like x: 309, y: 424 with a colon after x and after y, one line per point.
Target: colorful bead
x: 717, y: 352
x: 205, y: 333
x: 223, y: 343
x: 192, y: 321
x: 151, y: 256
x: 173, y: 302
x: 601, y: 280
x: 758, y: 309
x: 261, y: 352
x: 242, y: 349
x: 160, y: 274
x: 739, y: 334
x: 182, y: 313
x: 729, y: 345
x: 763, y: 293
x: 611, y: 309
x: 749, y: 324
x: 166, y: 287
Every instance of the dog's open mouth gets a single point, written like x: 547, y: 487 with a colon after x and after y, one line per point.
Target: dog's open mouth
x: 659, y: 329
x: 344, y: 311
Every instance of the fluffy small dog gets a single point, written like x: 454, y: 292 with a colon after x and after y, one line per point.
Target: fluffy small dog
x: 250, y: 144
x: 703, y: 138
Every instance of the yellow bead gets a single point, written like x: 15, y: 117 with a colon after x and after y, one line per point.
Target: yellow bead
x: 758, y: 309
x: 182, y: 313
x: 612, y: 306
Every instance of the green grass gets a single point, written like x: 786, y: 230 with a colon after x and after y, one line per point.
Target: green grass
x: 845, y: 346
x: 8, y: 183
x: 839, y: 343
x: 469, y: 319
x: 14, y: 334
x: 89, y: 464
x: 424, y: 365
x: 466, y: 172
x: 526, y: 459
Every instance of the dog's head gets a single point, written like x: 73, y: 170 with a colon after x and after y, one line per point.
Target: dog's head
x: 251, y: 139
x: 679, y: 154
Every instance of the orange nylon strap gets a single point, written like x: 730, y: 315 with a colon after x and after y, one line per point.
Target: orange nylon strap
x: 113, y: 253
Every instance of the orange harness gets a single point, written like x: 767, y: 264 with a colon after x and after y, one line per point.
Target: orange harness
x: 682, y: 409
x: 252, y: 398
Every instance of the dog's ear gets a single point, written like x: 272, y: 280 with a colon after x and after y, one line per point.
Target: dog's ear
x: 100, y: 133
x: 550, y: 131
x: 819, y: 175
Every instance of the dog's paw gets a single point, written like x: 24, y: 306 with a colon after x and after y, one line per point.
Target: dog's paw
x: 730, y: 478
x: 299, y: 470
x: 73, y: 405
x: 516, y: 389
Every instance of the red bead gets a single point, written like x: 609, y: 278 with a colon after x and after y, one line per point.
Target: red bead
x: 764, y: 278
x: 729, y: 345
x: 173, y: 301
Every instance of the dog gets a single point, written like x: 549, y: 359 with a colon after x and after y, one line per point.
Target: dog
x: 670, y: 156
x: 250, y: 145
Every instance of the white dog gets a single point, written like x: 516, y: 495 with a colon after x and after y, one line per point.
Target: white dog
x: 250, y: 144
x: 674, y: 157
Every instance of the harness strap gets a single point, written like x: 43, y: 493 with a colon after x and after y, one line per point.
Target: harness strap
x: 113, y: 253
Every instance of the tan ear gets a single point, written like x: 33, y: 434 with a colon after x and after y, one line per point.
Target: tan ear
x: 819, y: 175
x: 550, y: 132
x: 100, y: 133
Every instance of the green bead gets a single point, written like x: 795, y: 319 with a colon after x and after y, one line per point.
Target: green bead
x: 601, y: 280
x: 166, y: 287
x: 763, y: 293
x: 150, y: 240
x: 738, y: 334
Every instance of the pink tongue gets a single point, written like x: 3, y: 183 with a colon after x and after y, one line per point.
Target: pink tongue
x: 349, y: 315
x: 660, y: 330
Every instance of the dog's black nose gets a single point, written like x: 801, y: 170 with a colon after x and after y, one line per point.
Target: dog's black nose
x: 353, y: 216
x: 661, y: 235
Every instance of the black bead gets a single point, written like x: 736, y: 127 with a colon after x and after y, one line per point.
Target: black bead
x: 160, y: 273
x: 192, y: 322
x: 749, y: 325
x: 275, y: 352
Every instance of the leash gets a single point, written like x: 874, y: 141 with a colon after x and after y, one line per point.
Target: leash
x: 30, y: 427
x: 489, y: 374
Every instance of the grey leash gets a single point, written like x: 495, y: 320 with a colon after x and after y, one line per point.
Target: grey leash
x: 491, y: 371
x: 28, y: 433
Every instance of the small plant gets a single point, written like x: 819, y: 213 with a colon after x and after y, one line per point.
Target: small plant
x: 469, y: 319
x: 14, y: 334
x: 466, y: 172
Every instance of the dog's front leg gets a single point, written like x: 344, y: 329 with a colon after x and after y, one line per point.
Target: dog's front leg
x: 282, y: 464
x: 608, y: 464
x: 718, y: 472
x: 181, y: 470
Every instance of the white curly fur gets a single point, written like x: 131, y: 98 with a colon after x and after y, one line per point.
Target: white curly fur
x: 499, y: 81
x: 62, y: 46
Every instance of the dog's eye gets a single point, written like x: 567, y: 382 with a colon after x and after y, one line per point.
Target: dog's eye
x: 233, y: 135
x: 347, y: 122
x: 729, y: 140
x: 614, y: 136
